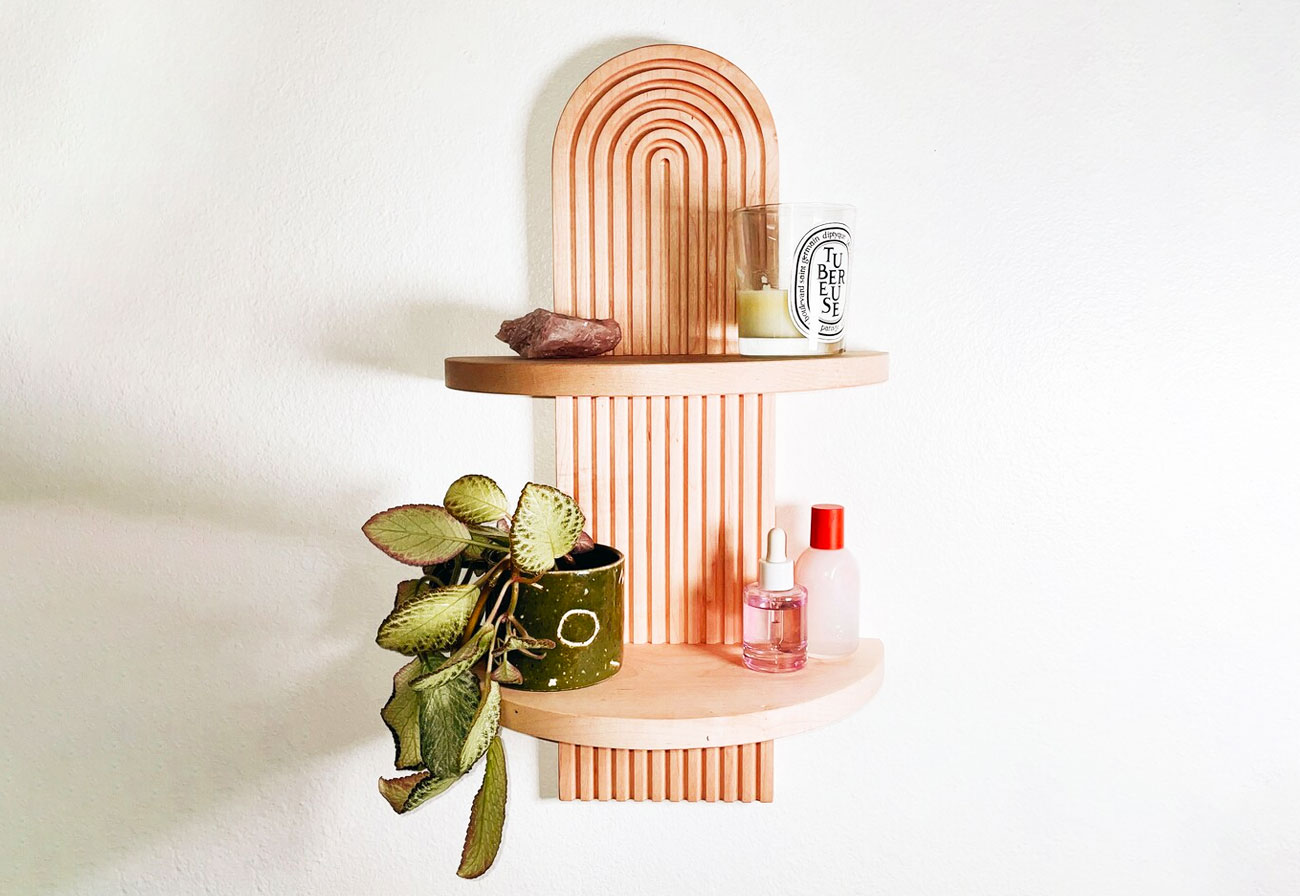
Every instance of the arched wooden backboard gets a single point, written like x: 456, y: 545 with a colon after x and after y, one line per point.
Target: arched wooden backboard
x: 653, y: 152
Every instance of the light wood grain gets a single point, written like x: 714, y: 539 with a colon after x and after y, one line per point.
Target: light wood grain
x: 675, y: 556
x: 712, y: 774
x: 640, y: 774
x: 749, y: 772
x: 693, y: 545
x: 622, y: 774
x: 730, y: 773
x: 694, y: 774
x: 674, y: 696
x: 586, y: 763
x: 658, y: 775
x: 676, y: 775
x: 604, y: 774
x: 656, y: 559
x: 637, y: 551
x: 715, y: 531
x: 736, y: 537
x: 652, y: 153
x: 664, y: 374
x: 727, y: 774
x: 766, y: 771
x: 568, y: 772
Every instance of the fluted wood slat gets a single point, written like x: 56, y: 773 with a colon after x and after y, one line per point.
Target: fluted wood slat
x: 568, y: 789
x: 622, y: 774
x: 742, y: 773
x: 658, y: 775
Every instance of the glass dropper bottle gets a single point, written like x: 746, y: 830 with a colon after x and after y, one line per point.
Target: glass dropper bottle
x: 774, y: 629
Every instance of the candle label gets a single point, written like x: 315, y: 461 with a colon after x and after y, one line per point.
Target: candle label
x: 821, y: 282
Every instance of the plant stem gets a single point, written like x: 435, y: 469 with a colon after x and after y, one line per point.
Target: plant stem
x: 514, y: 599
x: 496, y: 605
x: 486, y: 584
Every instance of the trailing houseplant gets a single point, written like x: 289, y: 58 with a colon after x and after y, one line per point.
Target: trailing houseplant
x: 457, y: 621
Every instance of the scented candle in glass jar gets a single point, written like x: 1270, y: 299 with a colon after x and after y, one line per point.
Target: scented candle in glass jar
x: 792, y: 277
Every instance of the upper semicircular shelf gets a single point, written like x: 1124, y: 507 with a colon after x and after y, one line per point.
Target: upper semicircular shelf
x: 614, y: 375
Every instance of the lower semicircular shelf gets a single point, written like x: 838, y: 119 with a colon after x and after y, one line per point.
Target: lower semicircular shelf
x: 672, y: 696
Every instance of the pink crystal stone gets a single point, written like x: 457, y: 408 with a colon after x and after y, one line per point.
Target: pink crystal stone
x: 546, y: 334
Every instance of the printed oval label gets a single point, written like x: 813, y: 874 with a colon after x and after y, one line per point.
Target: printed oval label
x: 821, y: 282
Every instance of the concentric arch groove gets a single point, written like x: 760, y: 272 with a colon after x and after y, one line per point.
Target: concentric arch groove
x: 613, y: 145
x: 606, y: 107
x: 691, y: 204
x: 739, y: 117
x: 615, y: 88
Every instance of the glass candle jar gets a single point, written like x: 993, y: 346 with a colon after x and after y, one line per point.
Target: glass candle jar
x: 792, y: 277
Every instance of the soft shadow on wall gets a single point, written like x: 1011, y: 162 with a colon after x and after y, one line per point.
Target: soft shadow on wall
x: 171, y: 650
x: 545, y: 115
x: 148, y: 648
x: 160, y: 681
x: 413, y: 335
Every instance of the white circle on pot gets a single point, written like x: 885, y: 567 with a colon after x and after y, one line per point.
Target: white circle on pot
x: 559, y: 629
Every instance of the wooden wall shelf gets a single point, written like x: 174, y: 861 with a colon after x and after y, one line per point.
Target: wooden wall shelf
x: 670, y: 696
x: 632, y: 375
x: 669, y: 444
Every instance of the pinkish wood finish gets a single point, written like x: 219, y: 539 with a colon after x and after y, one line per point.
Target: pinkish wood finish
x: 652, y: 153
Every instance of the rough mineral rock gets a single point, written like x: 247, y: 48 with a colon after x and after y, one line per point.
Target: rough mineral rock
x: 545, y: 334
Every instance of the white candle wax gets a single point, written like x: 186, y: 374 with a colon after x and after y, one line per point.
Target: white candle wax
x: 765, y: 314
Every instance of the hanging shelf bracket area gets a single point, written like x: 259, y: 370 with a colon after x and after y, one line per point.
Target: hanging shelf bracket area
x: 668, y: 443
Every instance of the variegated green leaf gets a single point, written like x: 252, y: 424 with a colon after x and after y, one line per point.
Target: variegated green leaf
x: 459, y: 661
x: 411, y: 791
x: 418, y: 534
x: 402, y: 716
x: 521, y: 643
x: 427, y: 790
x: 409, y: 590
x: 396, y: 790
x: 428, y: 622
x: 476, y: 499
x: 507, y: 673
x: 484, y: 727
x: 446, y: 713
x: 547, y: 522
x: 487, y: 816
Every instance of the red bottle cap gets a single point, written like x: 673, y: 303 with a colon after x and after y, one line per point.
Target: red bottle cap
x: 827, y: 527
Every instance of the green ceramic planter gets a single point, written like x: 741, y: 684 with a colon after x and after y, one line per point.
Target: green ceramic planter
x: 581, y: 610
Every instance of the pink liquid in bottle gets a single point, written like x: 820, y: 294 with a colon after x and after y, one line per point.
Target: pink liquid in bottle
x: 774, y: 627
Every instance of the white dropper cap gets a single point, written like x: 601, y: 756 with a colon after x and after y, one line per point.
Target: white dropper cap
x: 776, y: 571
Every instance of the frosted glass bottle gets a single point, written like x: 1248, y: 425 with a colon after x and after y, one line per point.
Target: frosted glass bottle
x: 830, y: 573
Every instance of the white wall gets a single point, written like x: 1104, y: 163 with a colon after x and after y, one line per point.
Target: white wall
x: 237, y: 239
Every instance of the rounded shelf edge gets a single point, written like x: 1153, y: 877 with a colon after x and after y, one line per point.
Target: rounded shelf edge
x: 645, y: 375
x: 675, y: 696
